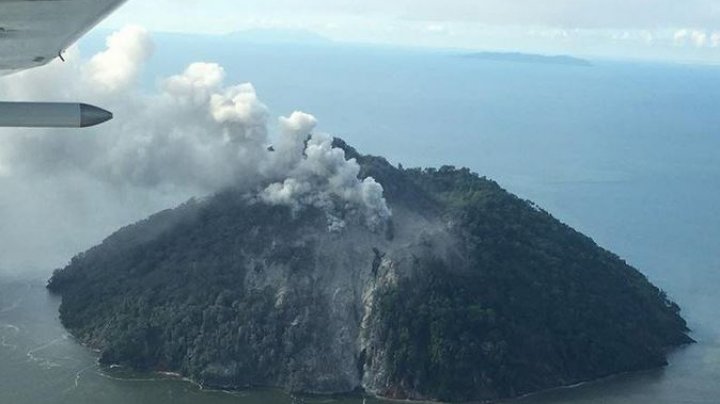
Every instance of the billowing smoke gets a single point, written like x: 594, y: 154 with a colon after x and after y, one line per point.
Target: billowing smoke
x: 193, y: 135
x: 118, y: 66
x: 324, y: 179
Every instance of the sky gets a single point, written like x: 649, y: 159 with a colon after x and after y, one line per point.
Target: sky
x: 672, y: 30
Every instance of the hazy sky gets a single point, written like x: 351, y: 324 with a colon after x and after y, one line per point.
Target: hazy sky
x: 679, y: 30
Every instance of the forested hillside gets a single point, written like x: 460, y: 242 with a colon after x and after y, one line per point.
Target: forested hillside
x: 467, y: 293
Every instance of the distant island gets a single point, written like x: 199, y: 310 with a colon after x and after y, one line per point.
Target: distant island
x: 466, y: 293
x: 515, y: 57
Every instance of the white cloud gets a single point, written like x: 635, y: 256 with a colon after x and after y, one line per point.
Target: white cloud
x: 696, y: 38
x: 681, y: 36
x: 715, y: 39
x: 118, y: 66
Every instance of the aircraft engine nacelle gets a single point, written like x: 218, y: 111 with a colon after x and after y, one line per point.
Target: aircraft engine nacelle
x: 51, y: 115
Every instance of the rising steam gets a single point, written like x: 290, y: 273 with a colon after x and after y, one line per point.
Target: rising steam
x: 194, y: 133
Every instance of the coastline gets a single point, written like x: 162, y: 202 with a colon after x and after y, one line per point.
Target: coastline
x: 170, y: 375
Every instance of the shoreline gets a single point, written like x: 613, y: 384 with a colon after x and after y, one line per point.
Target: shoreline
x: 362, y: 394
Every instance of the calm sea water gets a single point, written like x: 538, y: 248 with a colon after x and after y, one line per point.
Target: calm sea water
x: 626, y: 153
x: 41, y: 363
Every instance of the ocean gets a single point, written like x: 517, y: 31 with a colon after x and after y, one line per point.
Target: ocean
x: 626, y: 152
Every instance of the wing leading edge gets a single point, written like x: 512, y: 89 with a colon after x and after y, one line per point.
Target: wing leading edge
x: 34, y: 32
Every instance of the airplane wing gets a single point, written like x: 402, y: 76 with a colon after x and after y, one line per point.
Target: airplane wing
x: 34, y: 32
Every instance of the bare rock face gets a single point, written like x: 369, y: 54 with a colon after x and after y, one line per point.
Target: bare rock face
x: 466, y: 293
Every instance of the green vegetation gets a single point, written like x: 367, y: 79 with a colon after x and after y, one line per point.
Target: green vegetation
x: 540, y: 305
x: 527, y: 304
x: 167, y: 293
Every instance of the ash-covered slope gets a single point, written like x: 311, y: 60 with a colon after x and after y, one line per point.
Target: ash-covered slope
x: 466, y: 293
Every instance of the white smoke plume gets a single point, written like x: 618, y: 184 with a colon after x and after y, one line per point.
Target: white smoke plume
x: 194, y: 134
x: 117, y: 67
x: 324, y: 179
